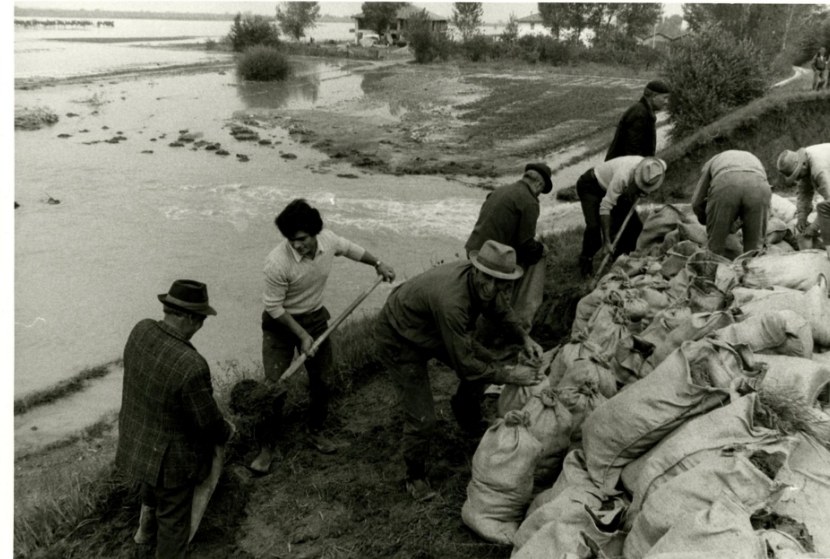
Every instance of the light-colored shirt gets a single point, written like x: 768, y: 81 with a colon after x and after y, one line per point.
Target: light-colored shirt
x: 818, y: 158
x: 294, y: 284
x: 729, y: 161
x: 614, y: 176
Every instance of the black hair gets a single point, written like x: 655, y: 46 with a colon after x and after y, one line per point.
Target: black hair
x: 299, y: 216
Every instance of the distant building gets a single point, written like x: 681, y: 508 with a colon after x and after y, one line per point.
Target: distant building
x: 532, y: 25
x: 397, y: 32
x: 658, y: 40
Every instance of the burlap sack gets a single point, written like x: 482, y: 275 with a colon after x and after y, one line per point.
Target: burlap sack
x: 782, y: 208
x: 658, y: 224
x: 803, y: 378
x: 730, y: 474
x: 808, y: 497
x: 606, y: 328
x: 573, y: 474
x: 585, y: 309
x: 773, y: 332
x: 581, y: 401
x: 567, y: 355
x: 589, y: 371
x: 731, y: 425
x: 502, y: 479
x: 690, y: 381
x: 695, y: 327
x: 676, y: 258
x: 551, y: 424
x: 798, y: 270
x: 812, y: 305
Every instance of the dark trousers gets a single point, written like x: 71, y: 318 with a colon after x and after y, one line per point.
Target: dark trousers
x: 172, y: 506
x: 278, y: 347
x: 407, y: 366
x: 736, y: 195
x: 823, y: 220
x: 590, y: 195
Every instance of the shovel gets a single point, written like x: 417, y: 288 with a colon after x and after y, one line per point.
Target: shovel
x: 298, y: 362
x: 605, y: 260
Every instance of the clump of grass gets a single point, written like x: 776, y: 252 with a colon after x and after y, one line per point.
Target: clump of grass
x: 788, y: 413
x: 26, y: 118
x: 62, y: 389
x: 261, y: 63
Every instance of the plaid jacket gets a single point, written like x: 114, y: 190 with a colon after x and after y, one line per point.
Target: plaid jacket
x: 169, y: 421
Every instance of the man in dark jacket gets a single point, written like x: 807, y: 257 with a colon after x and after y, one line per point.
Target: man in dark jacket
x: 636, y: 132
x: 169, y: 422
x: 432, y: 316
x: 508, y: 216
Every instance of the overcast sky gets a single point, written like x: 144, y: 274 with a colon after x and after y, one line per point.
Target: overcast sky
x: 493, y: 11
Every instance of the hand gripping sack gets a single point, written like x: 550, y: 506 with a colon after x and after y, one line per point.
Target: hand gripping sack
x: 731, y: 474
x: 502, y: 479
x: 692, y: 380
x: 551, y: 425
x: 808, y: 498
x: 723, y: 527
x: 732, y: 425
x: 803, y: 378
x: 514, y: 396
x: 797, y: 270
x: 773, y: 332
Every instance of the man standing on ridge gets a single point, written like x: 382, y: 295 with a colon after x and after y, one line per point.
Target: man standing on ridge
x: 296, y: 272
x: 433, y: 316
x: 508, y: 216
x: 636, y: 132
x: 733, y: 186
x: 809, y: 169
x: 607, y: 193
x: 169, y: 422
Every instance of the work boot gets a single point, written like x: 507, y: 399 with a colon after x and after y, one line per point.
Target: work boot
x: 262, y: 463
x: 419, y: 490
x: 146, y: 532
x: 586, y: 267
x: 322, y: 444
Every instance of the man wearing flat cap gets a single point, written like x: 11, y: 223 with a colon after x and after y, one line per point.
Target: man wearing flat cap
x: 508, y: 216
x: 433, y: 315
x: 636, y: 132
x: 169, y: 422
x: 809, y: 169
x: 607, y: 193
x: 733, y: 192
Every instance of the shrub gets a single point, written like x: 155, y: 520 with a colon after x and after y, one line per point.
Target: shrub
x: 477, y: 48
x: 261, y: 63
x: 711, y: 74
x: 426, y: 44
x: 250, y: 31
x: 817, y: 34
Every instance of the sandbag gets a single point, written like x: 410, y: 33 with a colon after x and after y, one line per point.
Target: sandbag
x: 581, y: 401
x: 808, y: 497
x: 798, y: 270
x: 773, y: 332
x: 730, y: 474
x: 567, y: 355
x: 706, y: 296
x: 812, y: 305
x: 585, y: 309
x: 803, y: 378
x: 782, y: 208
x: 723, y: 527
x: 776, y: 231
x: 731, y: 425
x: 781, y: 247
x: 676, y: 257
x: 695, y: 327
x: 589, y: 371
x: 658, y: 224
x: 605, y: 329
x: 502, y: 478
x: 551, y: 424
x: 573, y: 474
x: 692, y: 380
x: 693, y: 232
x: 664, y: 322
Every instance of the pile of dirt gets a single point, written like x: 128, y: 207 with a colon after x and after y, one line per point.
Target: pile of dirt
x: 33, y: 118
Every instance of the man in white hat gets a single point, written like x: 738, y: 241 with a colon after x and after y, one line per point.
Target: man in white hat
x: 433, y: 316
x: 607, y: 193
x: 809, y: 169
x: 733, y: 186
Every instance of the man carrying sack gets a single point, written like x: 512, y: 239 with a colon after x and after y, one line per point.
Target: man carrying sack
x: 508, y: 216
x: 432, y: 316
x: 296, y: 272
x: 809, y: 169
x: 607, y: 194
x: 169, y: 422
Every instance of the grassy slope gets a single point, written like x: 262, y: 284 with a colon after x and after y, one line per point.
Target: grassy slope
x: 352, y: 505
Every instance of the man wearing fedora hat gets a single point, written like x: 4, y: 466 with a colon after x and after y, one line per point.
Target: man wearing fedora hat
x: 169, y: 422
x: 433, y: 315
x: 732, y: 191
x: 636, y: 133
x: 607, y: 193
x: 809, y: 169
x: 296, y: 272
x: 508, y: 216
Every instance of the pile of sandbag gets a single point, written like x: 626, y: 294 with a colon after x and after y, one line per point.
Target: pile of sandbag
x: 686, y: 416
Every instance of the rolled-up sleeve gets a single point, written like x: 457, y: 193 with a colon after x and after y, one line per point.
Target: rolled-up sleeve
x: 345, y: 247
x: 612, y: 194
x: 276, y: 287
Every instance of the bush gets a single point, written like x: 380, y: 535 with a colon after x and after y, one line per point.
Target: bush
x: 477, y: 48
x: 250, y: 31
x: 817, y: 34
x: 426, y: 44
x: 261, y: 63
x: 711, y: 74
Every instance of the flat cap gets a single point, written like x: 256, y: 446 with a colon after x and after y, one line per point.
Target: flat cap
x: 658, y: 86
